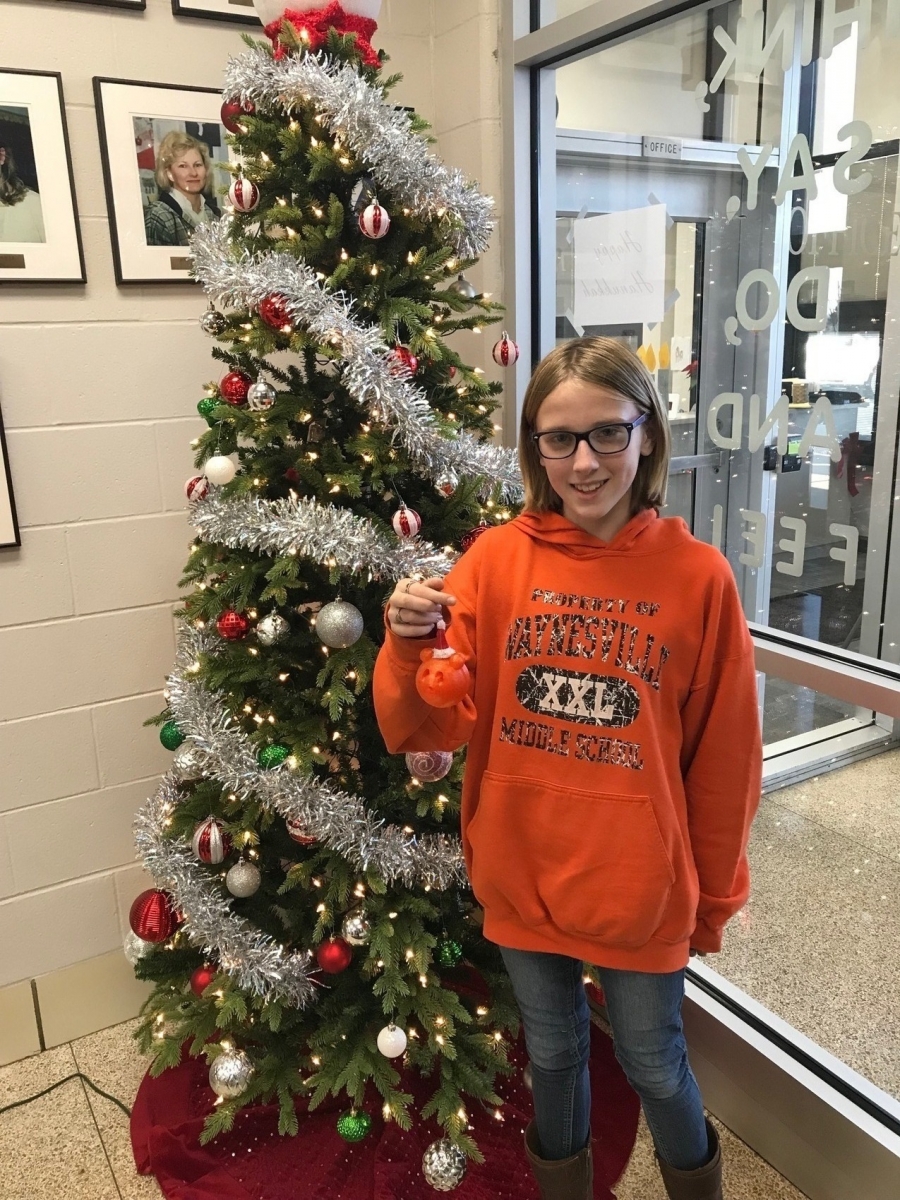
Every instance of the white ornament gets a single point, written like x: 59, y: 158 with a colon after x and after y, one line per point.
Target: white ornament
x: 375, y: 221
x: 429, y: 765
x: 444, y: 1165
x: 135, y: 947
x: 271, y: 10
x: 244, y: 195
x: 187, y: 764
x: 230, y: 1074
x: 243, y: 880
x: 197, y: 488
x: 339, y: 624
x: 391, y: 1041
x: 219, y: 469
x: 506, y: 352
x: 406, y: 522
x: 210, y: 843
x: 260, y: 396
x: 271, y: 629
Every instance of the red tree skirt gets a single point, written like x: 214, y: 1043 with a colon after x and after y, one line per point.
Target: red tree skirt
x: 254, y: 1163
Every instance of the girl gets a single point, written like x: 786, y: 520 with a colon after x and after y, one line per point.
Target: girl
x: 614, y: 762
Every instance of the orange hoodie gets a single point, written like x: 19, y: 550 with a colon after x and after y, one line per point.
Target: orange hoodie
x: 615, y: 756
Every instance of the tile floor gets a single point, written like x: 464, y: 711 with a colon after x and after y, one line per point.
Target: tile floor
x: 74, y: 1145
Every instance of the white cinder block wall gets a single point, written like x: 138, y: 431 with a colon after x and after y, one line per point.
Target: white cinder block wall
x: 98, y: 387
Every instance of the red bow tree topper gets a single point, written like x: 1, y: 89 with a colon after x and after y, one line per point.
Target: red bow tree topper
x: 314, y: 23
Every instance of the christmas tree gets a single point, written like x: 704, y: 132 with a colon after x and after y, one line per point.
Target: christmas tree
x: 312, y: 933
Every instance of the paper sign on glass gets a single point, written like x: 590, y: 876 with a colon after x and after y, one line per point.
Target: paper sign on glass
x: 620, y: 267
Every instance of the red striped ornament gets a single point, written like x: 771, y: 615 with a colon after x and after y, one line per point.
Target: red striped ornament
x: 298, y: 833
x: 374, y: 221
x: 197, y: 488
x: 506, y: 352
x: 406, y: 522
x: 244, y: 195
x: 210, y: 842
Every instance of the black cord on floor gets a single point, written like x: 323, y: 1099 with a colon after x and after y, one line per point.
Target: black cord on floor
x: 59, y: 1083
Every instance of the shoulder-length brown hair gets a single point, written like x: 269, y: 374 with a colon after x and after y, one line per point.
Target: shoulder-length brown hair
x: 606, y: 363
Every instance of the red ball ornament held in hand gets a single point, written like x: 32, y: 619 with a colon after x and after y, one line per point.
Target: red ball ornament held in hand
x: 443, y: 677
x: 152, y: 916
x: 334, y: 956
x: 234, y: 387
x: 202, y: 978
x: 232, y: 626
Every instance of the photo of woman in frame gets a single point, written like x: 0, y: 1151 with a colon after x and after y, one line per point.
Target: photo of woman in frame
x: 21, y: 211
x: 178, y: 178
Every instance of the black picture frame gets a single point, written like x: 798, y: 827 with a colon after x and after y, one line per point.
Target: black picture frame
x: 218, y: 10
x: 8, y: 516
x: 117, y: 101
x: 58, y: 255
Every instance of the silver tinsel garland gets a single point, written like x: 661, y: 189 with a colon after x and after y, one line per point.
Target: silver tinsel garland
x: 316, y: 531
x: 375, y: 130
x: 244, y: 280
x: 258, y: 963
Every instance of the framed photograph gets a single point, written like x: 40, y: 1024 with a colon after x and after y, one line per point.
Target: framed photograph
x: 164, y: 152
x: 218, y: 10
x: 40, y: 241
x: 9, y: 525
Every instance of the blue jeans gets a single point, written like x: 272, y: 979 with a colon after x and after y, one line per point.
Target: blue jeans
x: 645, y: 1015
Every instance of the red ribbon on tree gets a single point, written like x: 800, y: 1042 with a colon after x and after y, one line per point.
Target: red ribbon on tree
x: 315, y: 23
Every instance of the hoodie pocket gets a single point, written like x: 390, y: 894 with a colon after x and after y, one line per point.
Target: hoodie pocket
x: 592, y: 864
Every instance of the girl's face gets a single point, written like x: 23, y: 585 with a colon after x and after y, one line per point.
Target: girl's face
x: 595, y: 489
x: 188, y: 173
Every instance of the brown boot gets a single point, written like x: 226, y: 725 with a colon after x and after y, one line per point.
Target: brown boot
x: 703, y: 1184
x: 566, y: 1179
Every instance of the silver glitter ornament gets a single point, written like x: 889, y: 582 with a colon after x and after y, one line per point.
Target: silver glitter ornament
x: 187, y: 763
x: 230, y: 1074
x: 272, y: 629
x: 462, y: 287
x: 446, y: 484
x: 339, y: 624
x: 243, y: 880
x: 260, y: 396
x: 212, y: 322
x: 135, y: 947
x: 444, y: 1165
x: 356, y: 928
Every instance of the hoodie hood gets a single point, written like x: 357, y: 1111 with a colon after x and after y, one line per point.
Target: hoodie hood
x: 645, y: 533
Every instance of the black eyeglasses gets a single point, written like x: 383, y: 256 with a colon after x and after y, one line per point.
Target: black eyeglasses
x: 602, y: 439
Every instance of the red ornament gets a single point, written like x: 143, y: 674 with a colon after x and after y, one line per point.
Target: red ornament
x: 506, y: 352
x: 374, y: 221
x: 452, y: 371
x: 334, y: 956
x: 298, y: 833
x: 202, y: 978
x: 197, y: 488
x: 273, y: 311
x: 443, y: 677
x: 292, y: 475
x: 403, y: 360
x: 244, y: 195
x: 152, y: 916
x: 406, y: 522
x: 232, y: 626
x: 210, y: 842
x: 468, y: 540
x: 232, y: 111
x: 234, y: 387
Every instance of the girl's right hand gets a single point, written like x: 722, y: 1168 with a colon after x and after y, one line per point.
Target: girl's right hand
x: 415, y: 606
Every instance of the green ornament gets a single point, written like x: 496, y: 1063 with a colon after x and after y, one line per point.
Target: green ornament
x: 171, y: 736
x: 207, y: 407
x: 272, y: 756
x: 450, y: 953
x: 354, y: 1126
